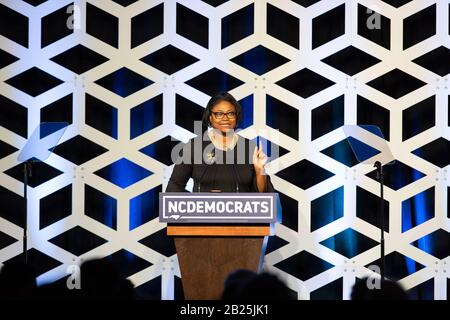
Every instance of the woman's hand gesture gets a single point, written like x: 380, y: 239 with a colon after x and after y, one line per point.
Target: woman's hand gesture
x: 259, y: 159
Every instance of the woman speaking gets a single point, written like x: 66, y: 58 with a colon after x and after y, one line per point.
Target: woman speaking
x: 228, y: 162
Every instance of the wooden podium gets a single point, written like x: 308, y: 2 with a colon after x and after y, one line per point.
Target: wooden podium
x: 207, y: 255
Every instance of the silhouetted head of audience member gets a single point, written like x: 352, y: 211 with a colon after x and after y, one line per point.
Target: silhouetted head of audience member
x: 101, y: 280
x: 367, y: 289
x: 248, y: 285
x: 17, y: 281
x: 234, y: 281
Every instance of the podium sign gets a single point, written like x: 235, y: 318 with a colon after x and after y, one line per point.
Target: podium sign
x: 216, y: 233
x: 211, y: 207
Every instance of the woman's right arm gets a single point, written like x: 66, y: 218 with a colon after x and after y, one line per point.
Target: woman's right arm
x: 180, y: 176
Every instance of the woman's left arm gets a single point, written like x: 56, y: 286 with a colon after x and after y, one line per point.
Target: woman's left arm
x: 261, y: 181
x: 259, y: 160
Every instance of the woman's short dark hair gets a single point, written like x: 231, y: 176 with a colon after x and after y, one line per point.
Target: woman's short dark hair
x: 222, y: 96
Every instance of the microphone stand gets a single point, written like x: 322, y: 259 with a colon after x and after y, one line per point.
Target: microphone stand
x: 27, y: 172
x: 201, y: 178
x: 204, y: 172
x: 237, y: 177
x: 380, y: 178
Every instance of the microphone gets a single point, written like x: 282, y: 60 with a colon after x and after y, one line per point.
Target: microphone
x: 237, y: 177
x: 212, y: 160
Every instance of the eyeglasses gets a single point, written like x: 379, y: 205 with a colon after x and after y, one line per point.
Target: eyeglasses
x: 219, y: 115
